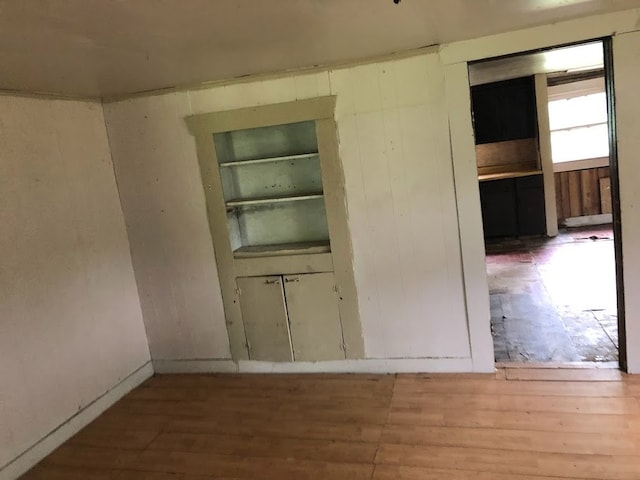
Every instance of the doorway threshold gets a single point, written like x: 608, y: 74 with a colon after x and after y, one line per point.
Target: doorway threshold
x: 561, y: 372
x: 559, y: 365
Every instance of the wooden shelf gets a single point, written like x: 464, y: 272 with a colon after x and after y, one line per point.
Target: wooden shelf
x: 268, y: 200
x: 283, y: 249
x: 239, y: 163
x: 504, y: 175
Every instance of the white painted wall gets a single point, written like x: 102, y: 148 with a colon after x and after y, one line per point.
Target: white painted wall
x: 394, y: 146
x: 164, y: 209
x: 626, y: 57
x: 70, y: 319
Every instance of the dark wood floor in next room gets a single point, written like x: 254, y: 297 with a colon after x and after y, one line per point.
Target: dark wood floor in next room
x: 517, y: 424
x: 554, y: 299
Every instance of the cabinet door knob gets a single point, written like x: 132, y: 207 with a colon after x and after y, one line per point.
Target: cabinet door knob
x: 272, y: 282
x: 292, y: 279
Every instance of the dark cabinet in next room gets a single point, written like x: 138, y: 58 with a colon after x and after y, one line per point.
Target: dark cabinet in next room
x: 513, y: 207
x: 499, y: 212
x: 504, y: 110
x: 530, y: 204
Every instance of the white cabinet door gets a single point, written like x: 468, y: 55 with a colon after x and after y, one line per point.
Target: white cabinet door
x: 264, y: 316
x: 314, y: 317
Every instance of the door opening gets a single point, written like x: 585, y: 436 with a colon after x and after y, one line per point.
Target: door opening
x: 544, y: 126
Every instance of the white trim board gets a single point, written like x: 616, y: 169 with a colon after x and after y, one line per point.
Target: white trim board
x: 370, y: 365
x: 601, y: 219
x: 546, y: 161
x: 195, y: 366
x: 549, y: 35
x: 581, y: 88
x: 465, y: 174
x: 43, y: 447
x: 584, y: 164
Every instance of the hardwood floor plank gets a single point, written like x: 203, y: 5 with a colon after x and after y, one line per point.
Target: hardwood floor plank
x: 526, y: 403
x: 57, y: 472
x: 243, y: 399
x: 272, y: 391
x: 137, y: 475
x: 128, y: 439
x: 525, y: 440
x: 250, y: 468
x: 317, y: 411
x: 408, y: 386
x: 554, y: 366
x: 255, y: 446
x: 117, y: 419
x: 91, y: 457
x: 267, y: 382
x: 543, y: 421
x: 348, y: 432
x: 560, y: 465
x: 565, y: 374
x: 71, y: 473
x: 392, y: 472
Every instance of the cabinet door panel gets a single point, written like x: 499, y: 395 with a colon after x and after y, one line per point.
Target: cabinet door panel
x: 314, y: 317
x: 264, y: 316
x: 499, y: 213
x: 504, y: 110
x: 530, y: 197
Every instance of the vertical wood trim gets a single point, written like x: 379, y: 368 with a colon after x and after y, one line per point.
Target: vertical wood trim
x: 605, y: 195
x: 546, y: 163
x: 585, y: 191
x: 341, y: 249
x: 559, y: 197
x: 575, y: 194
x: 566, y: 194
x: 595, y: 187
x: 590, y: 192
x: 474, y: 270
x: 603, y: 172
x: 224, y: 255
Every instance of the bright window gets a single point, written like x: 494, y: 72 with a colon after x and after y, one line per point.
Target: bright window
x: 578, y: 122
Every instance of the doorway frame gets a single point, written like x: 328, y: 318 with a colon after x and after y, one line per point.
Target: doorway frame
x: 456, y: 58
x: 614, y: 174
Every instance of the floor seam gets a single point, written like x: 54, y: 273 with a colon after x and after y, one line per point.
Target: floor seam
x: 384, y: 425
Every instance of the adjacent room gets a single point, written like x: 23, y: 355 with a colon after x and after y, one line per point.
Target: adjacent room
x: 542, y: 145
x: 298, y: 239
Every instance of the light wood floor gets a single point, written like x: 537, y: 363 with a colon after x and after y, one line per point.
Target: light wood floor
x: 519, y: 424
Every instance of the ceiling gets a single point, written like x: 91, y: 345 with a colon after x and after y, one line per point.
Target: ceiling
x: 94, y: 48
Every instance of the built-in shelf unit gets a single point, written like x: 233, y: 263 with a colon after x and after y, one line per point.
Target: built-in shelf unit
x: 272, y: 186
x: 275, y: 199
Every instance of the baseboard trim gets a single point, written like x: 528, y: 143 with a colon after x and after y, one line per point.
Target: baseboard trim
x: 588, y: 220
x: 194, y: 366
x: 370, y: 365
x: 43, y: 447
